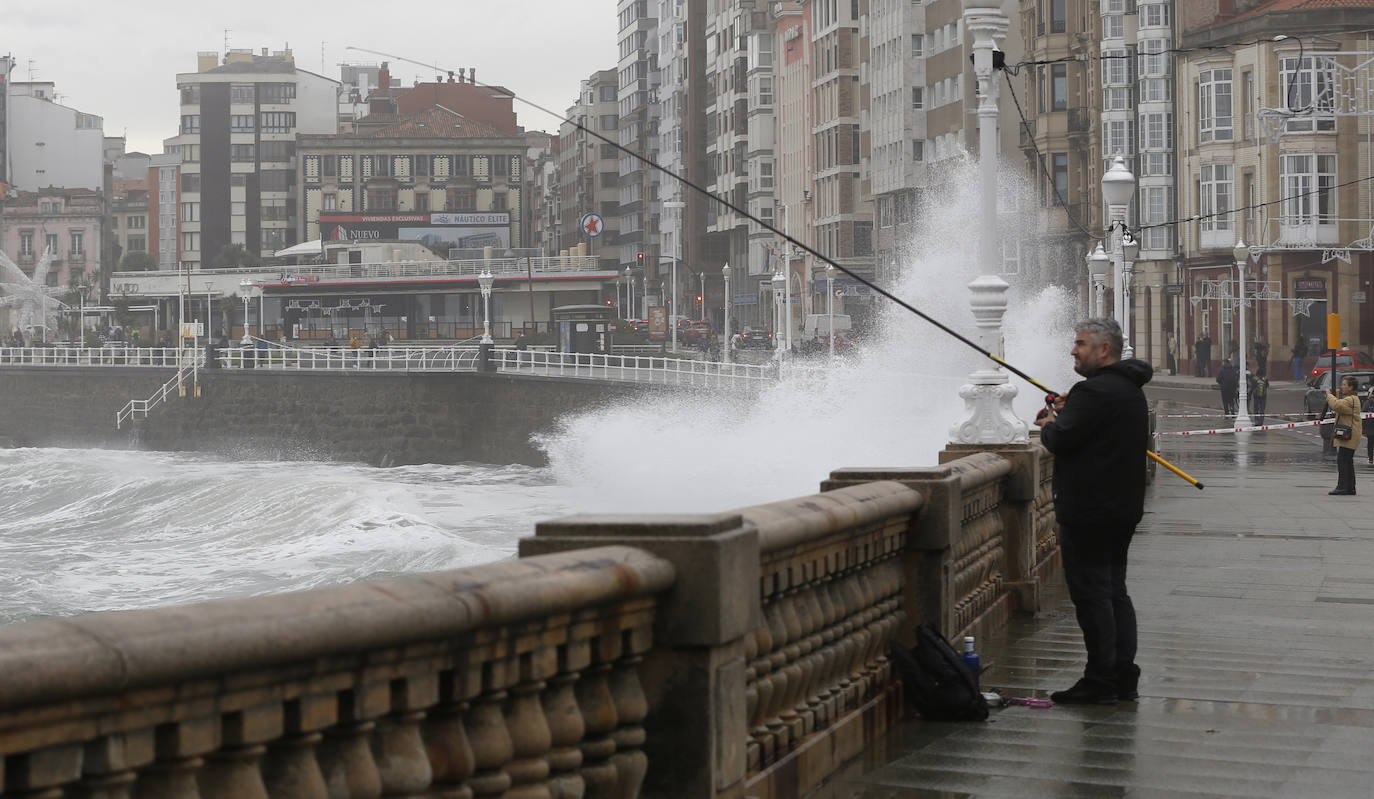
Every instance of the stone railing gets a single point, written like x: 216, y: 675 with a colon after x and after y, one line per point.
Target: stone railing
x: 687, y: 656
x: 513, y: 679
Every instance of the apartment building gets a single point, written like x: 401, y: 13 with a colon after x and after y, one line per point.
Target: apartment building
x: 589, y: 180
x: 129, y: 222
x: 68, y: 223
x: 795, y: 157
x: 46, y: 143
x: 636, y: 88
x: 240, y: 117
x: 164, y: 204
x: 1274, y: 141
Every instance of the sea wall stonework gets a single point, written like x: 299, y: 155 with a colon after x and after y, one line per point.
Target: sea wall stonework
x: 369, y: 417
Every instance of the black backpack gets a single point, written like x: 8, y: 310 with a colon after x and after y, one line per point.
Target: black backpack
x: 937, y: 684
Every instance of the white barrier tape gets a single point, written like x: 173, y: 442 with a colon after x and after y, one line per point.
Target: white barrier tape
x: 1214, y: 415
x: 1256, y: 428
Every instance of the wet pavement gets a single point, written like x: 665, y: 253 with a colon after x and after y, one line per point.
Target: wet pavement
x: 1256, y: 607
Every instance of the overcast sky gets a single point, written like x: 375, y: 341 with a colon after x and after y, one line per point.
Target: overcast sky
x: 120, y: 60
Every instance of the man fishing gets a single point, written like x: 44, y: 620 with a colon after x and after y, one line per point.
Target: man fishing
x: 1099, y: 433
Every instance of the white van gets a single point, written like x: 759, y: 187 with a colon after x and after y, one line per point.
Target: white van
x: 817, y: 326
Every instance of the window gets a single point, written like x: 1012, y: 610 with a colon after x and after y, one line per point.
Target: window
x: 329, y: 165
x: 1116, y: 99
x: 329, y: 201
x: 918, y: 150
x: 26, y: 242
x: 460, y: 200
x: 50, y: 243
x: 137, y: 222
x: 918, y: 97
x: 421, y: 165
x: 1061, y: 178
x: 274, y: 210
x: 276, y: 179
x: 1308, y: 87
x: 1247, y: 91
x: 1154, y: 15
x: 78, y: 242
x: 381, y: 199
x: 190, y: 123
x: 421, y: 201
x: 500, y: 164
x: 1059, y: 81
x: 190, y: 181
x: 1116, y: 137
x: 1113, y: 26
x: 1307, y: 189
x: 241, y: 123
x: 242, y: 153
x: 237, y: 208
x: 1153, y: 62
x: 190, y: 95
x: 1114, y: 67
x: 1058, y: 16
x: 1157, y: 131
x: 190, y: 212
x: 608, y: 94
x: 462, y: 164
x: 276, y: 92
x: 273, y: 238
x: 241, y: 93
x: 609, y: 121
x: 138, y: 244
x: 277, y: 151
x: 1155, y: 90
x: 1217, y: 191
x: 1214, y: 105
x: 1157, y: 208
x: 1042, y: 86
x: 917, y: 45
x: 278, y: 121
x: 381, y: 166
x: 1156, y: 164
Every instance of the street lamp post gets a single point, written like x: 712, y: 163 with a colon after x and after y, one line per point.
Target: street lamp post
x: 779, y: 286
x: 830, y: 303
x: 245, y: 287
x: 725, y: 275
x: 629, y: 301
x: 1241, y: 253
x: 702, y: 309
x: 1097, y: 269
x: 1118, y: 188
x: 677, y: 256
x: 81, y: 323
x: 484, y: 282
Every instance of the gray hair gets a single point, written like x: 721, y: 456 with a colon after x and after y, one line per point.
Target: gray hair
x: 1103, y: 329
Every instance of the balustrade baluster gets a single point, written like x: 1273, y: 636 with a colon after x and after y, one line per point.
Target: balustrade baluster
x: 492, y: 747
x: 171, y: 779
x: 531, y: 740
x: 597, y: 704
x: 290, y: 769
x: 109, y: 765
x: 631, y: 707
x: 777, y: 676
x: 451, y: 758
x: 565, y: 729
x: 402, y: 763
x: 346, y: 762
x: 106, y: 786
x: 232, y: 773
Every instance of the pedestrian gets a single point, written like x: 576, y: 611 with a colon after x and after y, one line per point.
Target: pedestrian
x: 1299, y: 353
x: 1228, y: 380
x: 1261, y: 356
x: 1099, y: 433
x: 1367, y: 424
x: 1172, y: 349
x: 1346, y: 432
x: 1258, y: 396
x: 1197, y: 357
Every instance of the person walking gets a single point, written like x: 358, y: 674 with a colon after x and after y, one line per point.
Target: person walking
x: 1099, y: 432
x: 1367, y: 425
x: 1258, y: 396
x: 1228, y: 379
x: 1345, y: 433
x: 1197, y: 357
x: 1206, y: 355
x: 1299, y: 353
x: 1261, y: 356
x: 1172, y: 349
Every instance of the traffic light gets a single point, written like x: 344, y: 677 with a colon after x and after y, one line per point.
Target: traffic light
x: 639, y: 259
x: 609, y: 303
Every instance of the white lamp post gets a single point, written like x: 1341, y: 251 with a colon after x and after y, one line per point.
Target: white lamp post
x: 244, y: 288
x: 484, y: 282
x: 1098, y: 262
x: 1240, y: 253
x: 627, y: 311
x: 725, y: 275
x: 830, y: 303
x: 779, y: 286
x: 672, y: 302
x: 1118, y: 187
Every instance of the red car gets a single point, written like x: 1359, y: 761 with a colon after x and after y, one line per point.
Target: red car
x: 1345, y: 359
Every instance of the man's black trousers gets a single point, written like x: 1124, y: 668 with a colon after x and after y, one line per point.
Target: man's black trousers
x: 1095, y: 570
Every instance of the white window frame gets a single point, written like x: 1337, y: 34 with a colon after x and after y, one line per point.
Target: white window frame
x: 1216, y: 109
x: 1307, y: 216
x: 1217, y: 196
x: 1308, y: 92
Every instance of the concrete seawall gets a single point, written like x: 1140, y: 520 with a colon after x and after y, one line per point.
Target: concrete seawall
x: 378, y: 418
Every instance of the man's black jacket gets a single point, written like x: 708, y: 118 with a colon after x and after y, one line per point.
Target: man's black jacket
x: 1099, y: 442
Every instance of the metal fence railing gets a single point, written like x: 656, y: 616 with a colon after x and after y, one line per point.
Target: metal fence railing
x: 635, y: 368
x: 162, y: 357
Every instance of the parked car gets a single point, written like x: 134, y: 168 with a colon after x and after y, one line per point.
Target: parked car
x: 1314, y: 401
x: 641, y: 327
x: 845, y: 340
x: 756, y: 337
x: 697, y: 332
x: 1345, y: 359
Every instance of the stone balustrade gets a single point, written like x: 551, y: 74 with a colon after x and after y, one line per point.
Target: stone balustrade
x: 515, y: 679
x: 693, y: 656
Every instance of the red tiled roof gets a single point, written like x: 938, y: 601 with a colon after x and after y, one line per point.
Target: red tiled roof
x: 436, y: 122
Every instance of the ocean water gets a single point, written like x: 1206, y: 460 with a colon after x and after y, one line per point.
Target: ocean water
x: 89, y: 530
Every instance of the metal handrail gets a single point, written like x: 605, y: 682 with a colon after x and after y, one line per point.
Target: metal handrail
x: 553, y: 264
x: 635, y: 368
x: 158, y: 357
x: 141, y: 408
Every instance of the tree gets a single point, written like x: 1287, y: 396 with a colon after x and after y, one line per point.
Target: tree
x: 235, y: 256
x: 137, y: 262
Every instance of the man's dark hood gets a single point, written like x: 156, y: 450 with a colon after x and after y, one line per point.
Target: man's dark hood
x: 1133, y: 369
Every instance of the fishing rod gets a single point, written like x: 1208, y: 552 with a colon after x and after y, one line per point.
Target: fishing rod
x: 1050, y: 394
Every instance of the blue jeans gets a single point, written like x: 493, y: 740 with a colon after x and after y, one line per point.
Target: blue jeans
x: 1095, y: 571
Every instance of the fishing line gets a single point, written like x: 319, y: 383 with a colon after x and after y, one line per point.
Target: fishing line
x: 1049, y: 392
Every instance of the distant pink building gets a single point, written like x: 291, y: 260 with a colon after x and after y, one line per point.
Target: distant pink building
x: 67, y: 221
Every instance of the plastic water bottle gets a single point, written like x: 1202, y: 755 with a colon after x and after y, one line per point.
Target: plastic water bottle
x: 971, y: 659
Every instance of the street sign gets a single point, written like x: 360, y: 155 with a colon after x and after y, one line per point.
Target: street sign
x: 593, y: 225
x: 1173, y: 289
x: 1357, y: 296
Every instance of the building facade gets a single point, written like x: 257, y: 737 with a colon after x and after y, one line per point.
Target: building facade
x: 69, y: 223
x: 48, y: 144
x: 589, y: 180
x: 637, y: 79
x: 1275, y: 141
x: 237, y: 142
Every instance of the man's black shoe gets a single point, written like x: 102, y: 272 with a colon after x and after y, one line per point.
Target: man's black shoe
x: 1339, y: 492
x: 1085, y: 692
x: 1127, y: 684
